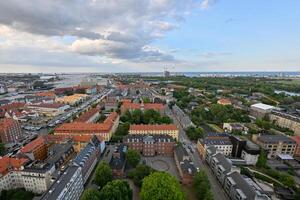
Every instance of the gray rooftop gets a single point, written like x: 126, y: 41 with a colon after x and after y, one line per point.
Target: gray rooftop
x: 226, y: 163
x: 275, y: 139
x: 224, y: 141
x: 242, y: 184
x: 58, y: 186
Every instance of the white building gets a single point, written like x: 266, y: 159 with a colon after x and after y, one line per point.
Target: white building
x: 260, y: 110
x: 69, y: 186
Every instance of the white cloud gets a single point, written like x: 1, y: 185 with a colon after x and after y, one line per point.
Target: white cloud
x: 205, y: 4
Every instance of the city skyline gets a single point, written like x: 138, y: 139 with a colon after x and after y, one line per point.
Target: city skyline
x: 147, y: 36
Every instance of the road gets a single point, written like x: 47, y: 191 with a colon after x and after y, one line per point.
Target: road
x: 217, y: 190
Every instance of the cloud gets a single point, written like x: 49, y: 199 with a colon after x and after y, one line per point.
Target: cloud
x: 214, y: 54
x: 119, y: 29
x: 205, y: 4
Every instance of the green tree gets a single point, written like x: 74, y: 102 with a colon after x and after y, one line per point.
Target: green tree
x: 16, y: 194
x: 137, y: 116
x: 146, y: 99
x: 2, y: 149
x: 116, y: 190
x: 122, y: 129
x: 139, y: 173
x: 103, y: 174
x: 262, y: 159
x: 133, y: 157
x: 90, y: 194
x: 194, y: 133
x: 160, y: 185
x: 202, y: 185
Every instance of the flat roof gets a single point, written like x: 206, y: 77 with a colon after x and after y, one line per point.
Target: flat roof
x: 262, y: 106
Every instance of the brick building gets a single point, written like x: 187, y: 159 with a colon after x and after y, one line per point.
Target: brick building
x: 10, y: 130
x: 151, y: 145
x: 36, y: 149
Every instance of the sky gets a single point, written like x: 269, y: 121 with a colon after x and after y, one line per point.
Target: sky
x: 54, y: 36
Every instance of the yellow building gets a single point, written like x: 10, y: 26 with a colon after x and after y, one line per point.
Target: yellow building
x: 155, y: 129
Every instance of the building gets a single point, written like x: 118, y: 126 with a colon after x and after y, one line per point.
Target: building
x: 221, y: 166
x: 9, y: 176
x: 184, y: 165
x: 260, y: 110
x: 118, y: 161
x: 3, y: 89
x: 286, y: 120
x: 104, y: 130
x: 236, y: 187
x: 37, y: 177
x: 10, y: 130
x: 223, y: 144
x: 49, y: 109
x: 36, y: 149
x: 155, y: 129
x: 232, y: 127
x: 151, y: 145
x: 88, y: 158
x: 21, y: 173
x: 60, y: 154
x: 69, y: 186
x: 90, y: 116
x: 72, y: 99
x: 250, y: 153
x: 143, y: 106
x: 276, y: 144
x: 297, y: 140
x: 224, y: 102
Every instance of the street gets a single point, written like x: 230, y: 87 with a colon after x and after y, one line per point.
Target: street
x: 215, y: 186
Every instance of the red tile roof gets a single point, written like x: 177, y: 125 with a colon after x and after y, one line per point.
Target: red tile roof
x: 224, y: 101
x: 46, y: 94
x: 155, y: 106
x: 89, y: 127
x: 12, y: 106
x: 296, y: 139
x: 33, y: 144
x: 153, y: 127
x: 7, y: 122
x: 87, y: 115
x: 14, y: 163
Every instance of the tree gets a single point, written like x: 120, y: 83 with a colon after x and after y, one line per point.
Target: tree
x: 90, y: 194
x: 194, y: 133
x: 139, y: 173
x: 116, y: 190
x: 2, y: 149
x: 16, y: 194
x: 146, y: 99
x: 262, y: 160
x: 202, y: 185
x: 160, y: 185
x: 103, y: 174
x: 133, y: 157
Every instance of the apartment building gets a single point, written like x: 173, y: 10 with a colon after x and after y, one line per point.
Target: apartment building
x: 69, y: 186
x: 276, y: 144
x: 184, y: 165
x: 151, y: 145
x: 286, y: 120
x: 88, y: 158
x: 155, y: 129
x: 36, y: 149
x: 236, y: 187
x: 104, y: 130
x: 10, y: 130
x: 223, y: 144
